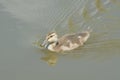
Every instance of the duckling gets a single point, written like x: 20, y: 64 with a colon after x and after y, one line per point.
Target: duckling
x: 65, y: 43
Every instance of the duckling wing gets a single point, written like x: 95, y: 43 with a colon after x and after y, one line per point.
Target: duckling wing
x: 78, y: 38
x: 69, y: 39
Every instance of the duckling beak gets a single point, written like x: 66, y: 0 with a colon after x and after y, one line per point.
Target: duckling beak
x: 44, y: 43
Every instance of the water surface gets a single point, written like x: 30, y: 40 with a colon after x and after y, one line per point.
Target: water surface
x: 24, y: 21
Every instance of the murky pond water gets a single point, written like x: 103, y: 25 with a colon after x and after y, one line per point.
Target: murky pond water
x: 22, y: 22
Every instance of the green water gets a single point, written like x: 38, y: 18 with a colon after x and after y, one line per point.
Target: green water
x: 22, y: 22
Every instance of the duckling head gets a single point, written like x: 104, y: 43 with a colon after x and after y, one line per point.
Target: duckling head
x: 50, y: 38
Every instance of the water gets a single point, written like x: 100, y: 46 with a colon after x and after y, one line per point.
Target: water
x: 24, y: 21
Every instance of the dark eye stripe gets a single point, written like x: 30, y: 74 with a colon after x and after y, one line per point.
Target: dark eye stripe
x: 50, y: 37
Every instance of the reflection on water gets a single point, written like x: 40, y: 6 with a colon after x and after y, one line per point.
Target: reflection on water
x: 86, y: 14
x: 50, y: 58
x: 116, y: 2
x: 99, y: 5
x: 113, y: 1
x: 71, y: 24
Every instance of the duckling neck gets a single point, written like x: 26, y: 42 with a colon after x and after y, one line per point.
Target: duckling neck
x: 52, y: 45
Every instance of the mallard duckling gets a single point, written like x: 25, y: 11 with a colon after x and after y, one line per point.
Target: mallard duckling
x: 66, y: 42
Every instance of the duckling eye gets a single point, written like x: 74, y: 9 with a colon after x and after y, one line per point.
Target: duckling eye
x: 51, y: 36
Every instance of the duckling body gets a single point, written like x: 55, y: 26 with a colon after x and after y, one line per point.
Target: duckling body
x: 65, y: 43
